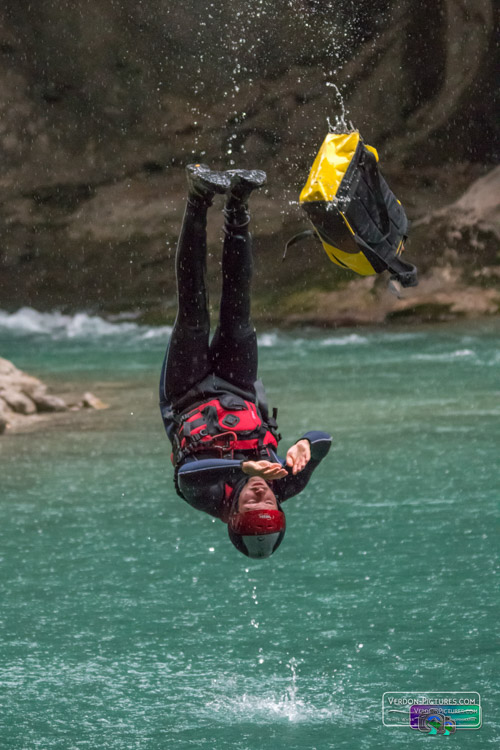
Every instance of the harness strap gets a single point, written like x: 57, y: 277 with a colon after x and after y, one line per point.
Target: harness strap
x: 211, y: 419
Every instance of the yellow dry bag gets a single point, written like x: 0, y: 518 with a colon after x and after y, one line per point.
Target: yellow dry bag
x: 359, y: 220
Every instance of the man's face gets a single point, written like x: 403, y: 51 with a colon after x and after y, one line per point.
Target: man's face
x: 257, y: 495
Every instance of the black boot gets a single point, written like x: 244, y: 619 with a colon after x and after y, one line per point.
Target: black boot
x: 243, y: 181
x: 204, y: 183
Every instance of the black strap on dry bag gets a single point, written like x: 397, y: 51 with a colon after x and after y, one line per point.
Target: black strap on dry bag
x: 297, y: 238
x: 405, y: 273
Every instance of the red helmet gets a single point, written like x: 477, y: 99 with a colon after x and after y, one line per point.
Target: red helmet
x: 257, y: 533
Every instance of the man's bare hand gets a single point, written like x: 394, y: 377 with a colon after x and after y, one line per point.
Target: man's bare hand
x: 298, y: 456
x: 263, y: 469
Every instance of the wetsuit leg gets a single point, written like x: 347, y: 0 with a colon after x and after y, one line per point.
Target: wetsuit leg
x: 233, y: 351
x: 187, y: 358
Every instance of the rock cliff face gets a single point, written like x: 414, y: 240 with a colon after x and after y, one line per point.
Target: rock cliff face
x: 102, y: 104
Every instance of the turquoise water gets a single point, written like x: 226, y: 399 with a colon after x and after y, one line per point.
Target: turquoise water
x: 128, y: 620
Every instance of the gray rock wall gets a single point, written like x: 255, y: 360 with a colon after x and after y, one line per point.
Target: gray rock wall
x: 103, y: 103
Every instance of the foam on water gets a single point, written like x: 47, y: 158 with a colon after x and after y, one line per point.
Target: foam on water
x: 445, y: 356
x: 58, y: 326
x: 268, y: 340
x: 347, y: 340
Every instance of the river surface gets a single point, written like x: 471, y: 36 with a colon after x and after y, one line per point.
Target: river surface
x: 129, y: 621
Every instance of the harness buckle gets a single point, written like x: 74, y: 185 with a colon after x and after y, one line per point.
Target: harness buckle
x: 222, y: 443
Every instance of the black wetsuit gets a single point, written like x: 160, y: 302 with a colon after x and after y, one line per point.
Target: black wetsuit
x: 232, y: 357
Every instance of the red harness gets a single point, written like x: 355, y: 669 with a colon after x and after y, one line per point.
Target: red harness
x: 210, y: 426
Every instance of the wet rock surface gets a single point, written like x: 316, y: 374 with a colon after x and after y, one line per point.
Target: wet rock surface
x: 25, y: 399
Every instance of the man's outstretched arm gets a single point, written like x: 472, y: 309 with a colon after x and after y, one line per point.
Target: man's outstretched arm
x: 303, y: 466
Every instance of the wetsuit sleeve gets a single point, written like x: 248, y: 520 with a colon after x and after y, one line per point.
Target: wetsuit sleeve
x: 202, y: 482
x: 293, y: 484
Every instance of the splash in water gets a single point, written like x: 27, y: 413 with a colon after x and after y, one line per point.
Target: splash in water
x: 290, y: 701
x: 271, y: 705
x: 341, y: 125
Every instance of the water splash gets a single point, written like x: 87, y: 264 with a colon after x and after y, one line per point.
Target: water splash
x: 341, y: 125
x: 290, y: 699
x: 262, y: 706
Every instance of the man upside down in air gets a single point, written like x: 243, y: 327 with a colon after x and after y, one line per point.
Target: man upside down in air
x: 214, y: 409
